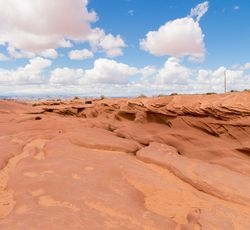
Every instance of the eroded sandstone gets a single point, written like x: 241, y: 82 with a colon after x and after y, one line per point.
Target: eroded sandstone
x: 174, y: 162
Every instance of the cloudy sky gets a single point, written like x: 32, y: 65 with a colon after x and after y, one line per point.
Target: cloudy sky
x: 123, y: 47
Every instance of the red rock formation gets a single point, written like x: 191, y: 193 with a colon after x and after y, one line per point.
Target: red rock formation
x: 175, y: 162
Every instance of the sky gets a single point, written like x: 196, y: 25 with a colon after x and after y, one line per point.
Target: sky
x: 123, y: 47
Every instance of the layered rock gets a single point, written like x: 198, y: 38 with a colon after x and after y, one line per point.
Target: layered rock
x: 174, y: 162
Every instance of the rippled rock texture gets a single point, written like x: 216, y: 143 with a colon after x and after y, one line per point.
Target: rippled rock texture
x: 174, y: 162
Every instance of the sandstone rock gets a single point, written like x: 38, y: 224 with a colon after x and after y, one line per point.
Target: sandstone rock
x: 71, y: 170
x: 209, y: 178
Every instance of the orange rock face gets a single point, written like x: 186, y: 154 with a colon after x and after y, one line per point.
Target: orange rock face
x: 174, y: 162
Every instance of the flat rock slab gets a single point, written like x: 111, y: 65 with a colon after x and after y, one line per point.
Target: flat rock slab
x: 96, y: 138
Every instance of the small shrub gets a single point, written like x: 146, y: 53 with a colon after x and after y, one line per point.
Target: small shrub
x: 210, y: 93
x: 161, y: 95
x: 102, y: 97
x: 88, y: 102
x: 142, y: 96
x: 76, y: 98
x: 173, y: 94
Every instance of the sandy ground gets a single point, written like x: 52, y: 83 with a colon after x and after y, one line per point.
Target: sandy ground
x: 174, y: 162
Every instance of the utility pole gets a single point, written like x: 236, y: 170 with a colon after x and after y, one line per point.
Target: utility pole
x: 225, y: 81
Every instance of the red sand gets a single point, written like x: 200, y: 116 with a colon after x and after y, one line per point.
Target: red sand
x: 175, y: 162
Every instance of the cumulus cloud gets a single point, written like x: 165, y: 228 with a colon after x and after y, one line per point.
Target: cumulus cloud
x: 173, y: 72
x: 180, y: 37
x: 43, y: 24
x: 110, y: 72
x: 148, y: 71
x: 80, y: 54
x: 66, y: 76
x: 213, y: 80
x: 38, y: 27
x: 110, y: 44
x: 209, y: 80
x: 18, y: 54
x: 104, y: 71
x: 176, y: 77
x: 246, y: 66
x: 32, y: 73
x: 49, y: 53
x: 113, y: 78
x: 37, y: 64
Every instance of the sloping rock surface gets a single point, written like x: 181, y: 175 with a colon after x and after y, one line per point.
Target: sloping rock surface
x: 174, y: 162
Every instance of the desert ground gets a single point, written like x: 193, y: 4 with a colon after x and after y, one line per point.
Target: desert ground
x: 172, y: 162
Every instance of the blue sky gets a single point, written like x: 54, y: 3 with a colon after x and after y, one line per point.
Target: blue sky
x: 123, y: 47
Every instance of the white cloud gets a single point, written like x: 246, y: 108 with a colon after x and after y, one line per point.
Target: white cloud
x: 209, y: 80
x: 148, y: 71
x: 176, y: 77
x: 29, y: 74
x: 104, y: 71
x: 213, y: 80
x: 65, y: 44
x: 38, y: 27
x: 49, y: 53
x: 113, y: 78
x: 18, y: 54
x: 66, y: 76
x: 246, y: 66
x: 199, y: 10
x: 180, y: 37
x: 110, y: 44
x: 80, y: 54
x: 110, y: 72
x: 43, y: 24
x: 37, y: 64
x: 173, y: 73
